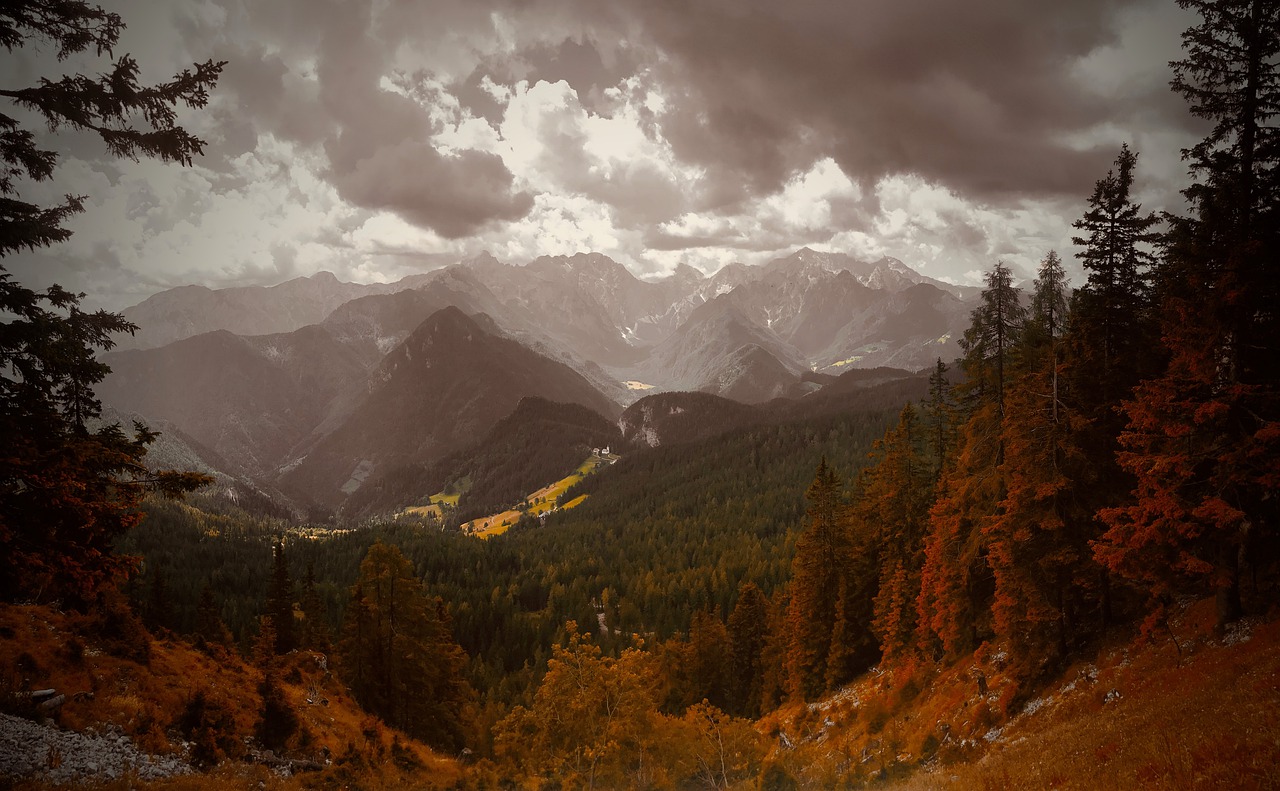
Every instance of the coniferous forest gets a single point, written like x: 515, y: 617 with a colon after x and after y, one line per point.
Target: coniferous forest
x: 855, y: 595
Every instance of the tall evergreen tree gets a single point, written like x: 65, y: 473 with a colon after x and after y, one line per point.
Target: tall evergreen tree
x: 748, y: 631
x: 895, y: 500
x: 940, y: 416
x: 815, y: 586
x: 68, y: 490
x: 956, y: 585
x: 209, y: 625
x: 315, y: 625
x: 398, y: 652
x: 1039, y: 535
x: 1112, y: 316
x: 280, y: 600
x: 1203, y: 437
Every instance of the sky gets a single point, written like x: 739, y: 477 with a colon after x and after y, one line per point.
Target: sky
x: 377, y: 140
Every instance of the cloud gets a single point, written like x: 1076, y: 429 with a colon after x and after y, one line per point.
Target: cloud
x: 972, y: 96
x: 373, y: 139
x: 327, y: 82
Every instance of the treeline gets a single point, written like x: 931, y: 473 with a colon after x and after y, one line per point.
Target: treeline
x: 1107, y: 450
x: 666, y: 534
x: 1104, y: 452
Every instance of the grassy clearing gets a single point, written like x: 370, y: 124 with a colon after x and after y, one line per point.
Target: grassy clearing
x: 540, y: 502
x: 433, y: 509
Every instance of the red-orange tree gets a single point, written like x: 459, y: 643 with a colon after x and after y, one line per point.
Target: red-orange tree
x: 955, y: 582
x: 1038, y: 538
x: 895, y: 499
x: 1203, y: 438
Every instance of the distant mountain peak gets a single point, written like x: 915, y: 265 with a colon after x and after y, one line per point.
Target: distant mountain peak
x: 482, y: 259
x: 683, y: 273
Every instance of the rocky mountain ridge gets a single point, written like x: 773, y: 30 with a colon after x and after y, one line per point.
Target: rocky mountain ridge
x: 409, y: 373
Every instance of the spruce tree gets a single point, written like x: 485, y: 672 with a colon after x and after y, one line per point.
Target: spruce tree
x: 1203, y: 437
x: 315, y: 625
x: 56, y: 537
x: 815, y: 587
x: 209, y: 625
x: 748, y: 631
x: 956, y: 584
x: 940, y: 416
x: 1112, y: 331
x: 1038, y: 537
x: 280, y: 600
x: 398, y: 653
x: 895, y: 500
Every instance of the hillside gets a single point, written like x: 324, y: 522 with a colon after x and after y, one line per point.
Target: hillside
x: 540, y: 440
x: 445, y: 385
x: 1193, y: 709
x: 152, y: 708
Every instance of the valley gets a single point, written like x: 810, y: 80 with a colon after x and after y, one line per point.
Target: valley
x: 637, y: 458
x: 547, y: 500
x: 325, y: 419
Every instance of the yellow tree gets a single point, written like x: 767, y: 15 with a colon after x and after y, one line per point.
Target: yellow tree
x: 593, y: 722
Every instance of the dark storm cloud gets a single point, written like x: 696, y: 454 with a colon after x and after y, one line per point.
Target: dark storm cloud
x: 976, y: 96
x: 979, y: 97
x: 377, y: 141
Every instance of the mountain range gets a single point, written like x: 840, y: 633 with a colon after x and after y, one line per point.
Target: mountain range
x: 313, y: 389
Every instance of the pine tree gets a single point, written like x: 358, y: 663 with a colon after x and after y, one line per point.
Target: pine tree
x: 277, y: 721
x: 209, y: 625
x: 701, y: 663
x: 815, y: 587
x: 315, y: 625
x: 939, y: 417
x: 994, y: 331
x: 398, y: 654
x: 896, y: 499
x: 748, y: 631
x: 1038, y: 538
x: 1112, y: 332
x: 773, y: 659
x: 280, y: 600
x: 1203, y: 437
x: 956, y: 584
x: 68, y: 490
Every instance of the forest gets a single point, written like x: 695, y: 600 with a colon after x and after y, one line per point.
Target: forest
x: 1100, y: 455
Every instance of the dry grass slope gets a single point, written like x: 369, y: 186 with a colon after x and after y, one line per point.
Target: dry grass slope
x: 1201, y: 714
x: 41, y: 648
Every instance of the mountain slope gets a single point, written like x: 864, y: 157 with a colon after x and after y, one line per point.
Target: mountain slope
x: 247, y: 310
x: 678, y: 418
x: 538, y: 442
x: 721, y: 350
x: 249, y: 399
x: 440, y: 390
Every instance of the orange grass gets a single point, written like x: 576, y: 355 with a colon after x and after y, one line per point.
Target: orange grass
x: 38, y: 649
x: 1202, y: 714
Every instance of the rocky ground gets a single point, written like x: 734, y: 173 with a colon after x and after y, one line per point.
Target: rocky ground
x: 28, y: 749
